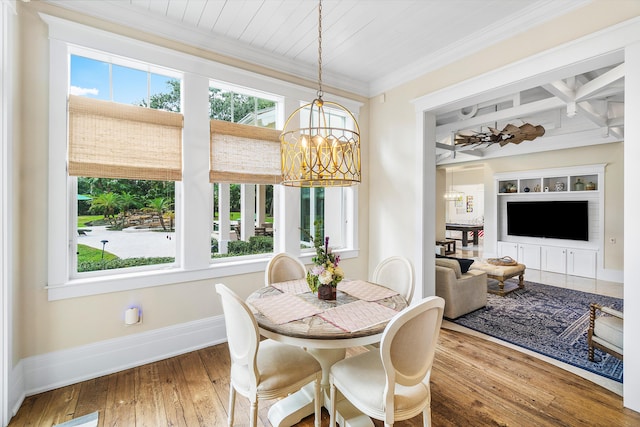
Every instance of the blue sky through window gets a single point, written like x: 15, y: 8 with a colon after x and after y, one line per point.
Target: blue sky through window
x: 91, y: 78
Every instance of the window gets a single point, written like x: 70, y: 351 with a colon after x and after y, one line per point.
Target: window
x: 243, y: 198
x: 123, y: 221
x: 196, y: 187
x: 323, y: 207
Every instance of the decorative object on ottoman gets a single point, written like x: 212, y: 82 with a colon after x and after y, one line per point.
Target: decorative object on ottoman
x: 505, y: 260
x: 605, y: 332
x: 501, y: 273
x: 462, y: 292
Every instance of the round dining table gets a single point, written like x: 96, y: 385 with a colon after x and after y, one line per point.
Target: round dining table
x: 323, y: 337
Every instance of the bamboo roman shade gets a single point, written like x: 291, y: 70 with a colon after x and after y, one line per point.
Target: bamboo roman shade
x: 111, y: 140
x: 243, y: 154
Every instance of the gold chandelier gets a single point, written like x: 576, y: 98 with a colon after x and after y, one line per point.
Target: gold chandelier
x: 319, y: 155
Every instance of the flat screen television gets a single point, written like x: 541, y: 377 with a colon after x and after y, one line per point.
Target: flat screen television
x: 557, y: 219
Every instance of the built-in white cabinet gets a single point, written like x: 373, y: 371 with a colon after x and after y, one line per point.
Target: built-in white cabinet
x: 554, y: 259
x: 564, y: 260
x: 573, y: 254
x: 526, y: 254
x: 508, y: 249
x: 581, y: 262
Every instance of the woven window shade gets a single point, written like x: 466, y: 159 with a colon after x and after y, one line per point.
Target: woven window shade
x: 111, y: 140
x: 244, y: 154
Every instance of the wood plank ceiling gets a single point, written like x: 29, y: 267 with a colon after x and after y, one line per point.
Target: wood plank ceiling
x: 371, y: 46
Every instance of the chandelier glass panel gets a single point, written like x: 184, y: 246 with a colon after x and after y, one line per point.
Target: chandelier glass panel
x: 316, y: 151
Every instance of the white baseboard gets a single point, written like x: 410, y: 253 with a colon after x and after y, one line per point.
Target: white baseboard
x: 16, y: 393
x: 58, y: 369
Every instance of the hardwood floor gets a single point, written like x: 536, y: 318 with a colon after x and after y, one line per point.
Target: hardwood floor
x: 474, y: 382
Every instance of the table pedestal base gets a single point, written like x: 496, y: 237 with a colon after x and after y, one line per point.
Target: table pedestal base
x: 293, y: 408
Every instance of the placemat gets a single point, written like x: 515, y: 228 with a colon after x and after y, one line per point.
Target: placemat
x: 285, y: 308
x: 366, y: 291
x: 297, y: 286
x: 358, y: 315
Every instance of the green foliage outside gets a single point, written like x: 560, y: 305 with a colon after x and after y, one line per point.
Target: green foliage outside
x: 255, y: 245
x: 89, y: 254
x: 91, y: 259
x: 88, y: 220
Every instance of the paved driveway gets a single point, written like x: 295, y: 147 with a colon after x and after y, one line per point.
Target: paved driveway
x: 131, y: 243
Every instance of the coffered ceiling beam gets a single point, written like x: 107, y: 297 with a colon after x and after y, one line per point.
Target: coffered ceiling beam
x: 562, y: 91
x: 506, y: 114
x: 600, y: 83
x: 470, y: 150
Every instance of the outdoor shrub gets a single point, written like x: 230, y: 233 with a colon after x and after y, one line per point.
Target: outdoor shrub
x: 261, y: 244
x: 121, y: 263
x: 214, y: 246
x: 239, y: 247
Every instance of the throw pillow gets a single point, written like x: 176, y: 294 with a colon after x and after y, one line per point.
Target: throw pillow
x: 465, y: 263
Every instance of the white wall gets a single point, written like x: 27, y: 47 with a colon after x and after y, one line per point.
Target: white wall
x: 42, y: 327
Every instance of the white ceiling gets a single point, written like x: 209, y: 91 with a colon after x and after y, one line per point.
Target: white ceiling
x: 368, y: 46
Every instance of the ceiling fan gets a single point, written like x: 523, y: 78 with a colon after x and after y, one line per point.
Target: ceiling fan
x: 510, y: 134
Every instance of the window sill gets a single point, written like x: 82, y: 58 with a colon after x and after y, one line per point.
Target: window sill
x: 88, y: 286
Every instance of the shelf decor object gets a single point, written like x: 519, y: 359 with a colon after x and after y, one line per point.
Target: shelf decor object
x: 320, y: 154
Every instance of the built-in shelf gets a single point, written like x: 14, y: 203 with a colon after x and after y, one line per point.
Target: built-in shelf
x: 579, y: 183
x: 548, y: 184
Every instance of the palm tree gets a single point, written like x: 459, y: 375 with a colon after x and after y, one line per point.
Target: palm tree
x: 127, y: 201
x: 107, y: 204
x: 159, y: 205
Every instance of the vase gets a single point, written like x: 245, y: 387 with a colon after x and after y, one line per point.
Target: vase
x: 327, y: 292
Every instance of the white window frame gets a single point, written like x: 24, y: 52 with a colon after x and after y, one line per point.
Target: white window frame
x: 193, y: 259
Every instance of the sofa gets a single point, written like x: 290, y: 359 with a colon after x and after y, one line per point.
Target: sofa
x: 463, y: 292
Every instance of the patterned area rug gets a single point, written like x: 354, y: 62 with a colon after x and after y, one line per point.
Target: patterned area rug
x: 548, y: 320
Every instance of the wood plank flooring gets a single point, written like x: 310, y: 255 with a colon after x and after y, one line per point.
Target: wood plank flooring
x: 474, y: 383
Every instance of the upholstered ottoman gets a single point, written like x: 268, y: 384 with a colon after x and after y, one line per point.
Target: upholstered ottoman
x: 501, y: 273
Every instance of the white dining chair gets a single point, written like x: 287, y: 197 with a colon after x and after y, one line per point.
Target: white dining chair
x: 262, y: 369
x: 393, y: 384
x: 396, y: 273
x: 283, y: 267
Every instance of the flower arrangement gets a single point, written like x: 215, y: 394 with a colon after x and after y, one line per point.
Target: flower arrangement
x: 325, y: 270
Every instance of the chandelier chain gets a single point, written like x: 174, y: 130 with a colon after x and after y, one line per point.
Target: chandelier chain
x: 320, y: 93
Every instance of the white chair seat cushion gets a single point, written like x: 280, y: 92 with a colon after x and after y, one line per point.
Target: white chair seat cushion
x: 361, y: 379
x: 272, y: 355
x: 609, y: 330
